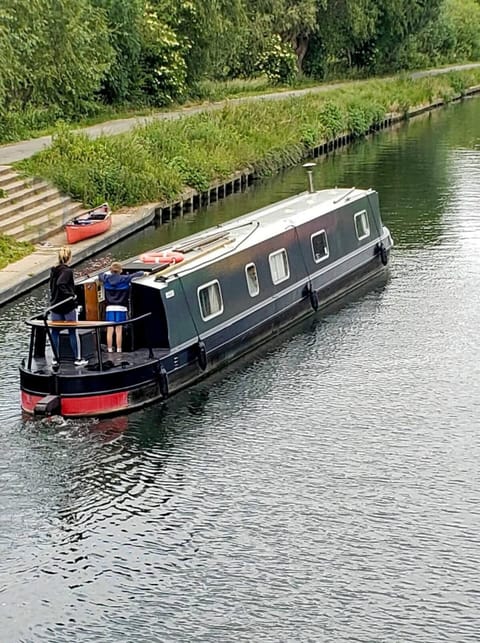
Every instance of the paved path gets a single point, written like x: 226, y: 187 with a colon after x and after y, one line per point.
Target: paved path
x: 18, y: 151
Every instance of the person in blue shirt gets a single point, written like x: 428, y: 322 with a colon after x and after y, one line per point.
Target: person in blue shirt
x: 117, y: 292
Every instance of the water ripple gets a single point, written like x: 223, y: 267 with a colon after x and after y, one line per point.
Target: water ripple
x: 324, y: 489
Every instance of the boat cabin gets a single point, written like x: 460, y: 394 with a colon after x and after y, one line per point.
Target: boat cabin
x: 210, y: 297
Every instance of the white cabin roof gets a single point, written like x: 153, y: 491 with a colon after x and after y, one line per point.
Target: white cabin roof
x: 251, y: 229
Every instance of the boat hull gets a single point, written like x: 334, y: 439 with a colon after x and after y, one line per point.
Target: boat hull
x: 236, y: 289
x: 76, y: 233
x: 127, y: 388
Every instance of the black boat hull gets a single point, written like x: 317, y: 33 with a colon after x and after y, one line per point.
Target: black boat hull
x: 128, y: 386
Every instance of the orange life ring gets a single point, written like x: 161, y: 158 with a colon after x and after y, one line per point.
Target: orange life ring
x: 166, y: 256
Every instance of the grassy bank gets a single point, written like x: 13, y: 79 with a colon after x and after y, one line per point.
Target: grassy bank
x: 11, y: 250
x: 35, y: 122
x: 157, y: 162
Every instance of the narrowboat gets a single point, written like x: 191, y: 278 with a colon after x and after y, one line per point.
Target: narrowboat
x: 89, y: 224
x: 206, y: 300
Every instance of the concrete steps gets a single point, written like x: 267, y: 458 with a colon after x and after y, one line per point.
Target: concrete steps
x: 31, y: 209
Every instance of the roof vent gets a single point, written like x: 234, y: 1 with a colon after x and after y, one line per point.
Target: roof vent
x: 309, y: 167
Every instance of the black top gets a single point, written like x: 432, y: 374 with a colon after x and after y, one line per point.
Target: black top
x: 62, y: 287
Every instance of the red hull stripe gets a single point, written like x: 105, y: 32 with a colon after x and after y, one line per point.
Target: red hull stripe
x: 90, y: 405
x: 29, y: 401
x: 94, y: 404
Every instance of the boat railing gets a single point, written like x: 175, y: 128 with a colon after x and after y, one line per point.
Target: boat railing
x: 42, y: 321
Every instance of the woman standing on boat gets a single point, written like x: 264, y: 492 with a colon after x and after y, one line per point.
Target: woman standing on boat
x: 63, y: 304
x: 117, y: 292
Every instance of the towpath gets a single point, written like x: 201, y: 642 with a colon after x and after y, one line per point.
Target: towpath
x: 24, y: 149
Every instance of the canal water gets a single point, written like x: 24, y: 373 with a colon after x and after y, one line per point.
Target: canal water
x: 325, y: 489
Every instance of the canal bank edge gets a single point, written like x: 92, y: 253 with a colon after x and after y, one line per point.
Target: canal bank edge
x: 21, y: 276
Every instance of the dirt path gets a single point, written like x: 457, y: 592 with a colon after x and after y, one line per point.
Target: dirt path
x: 18, y: 151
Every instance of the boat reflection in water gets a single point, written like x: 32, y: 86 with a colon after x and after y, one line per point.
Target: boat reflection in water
x: 208, y: 299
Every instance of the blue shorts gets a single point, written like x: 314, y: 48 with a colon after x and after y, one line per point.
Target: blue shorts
x: 115, y: 316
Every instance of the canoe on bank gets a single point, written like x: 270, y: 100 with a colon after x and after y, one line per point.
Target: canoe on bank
x: 90, y: 224
x: 206, y: 300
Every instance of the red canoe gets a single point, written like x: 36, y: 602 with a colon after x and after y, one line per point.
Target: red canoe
x: 89, y: 224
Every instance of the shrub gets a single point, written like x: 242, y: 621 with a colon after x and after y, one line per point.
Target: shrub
x: 278, y: 62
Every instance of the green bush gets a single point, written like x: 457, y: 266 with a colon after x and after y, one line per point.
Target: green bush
x: 332, y: 118
x: 278, y: 61
x: 163, y: 69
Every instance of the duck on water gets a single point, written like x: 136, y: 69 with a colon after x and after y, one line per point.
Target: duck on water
x: 206, y: 300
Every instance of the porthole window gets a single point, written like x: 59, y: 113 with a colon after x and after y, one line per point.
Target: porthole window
x: 320, y: 246
x: 362, y: 225
x: 210, y: 300
x: 252, y: 279
x: 279, y: 268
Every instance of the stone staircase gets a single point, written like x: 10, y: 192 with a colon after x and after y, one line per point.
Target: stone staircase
x: 31, y: 209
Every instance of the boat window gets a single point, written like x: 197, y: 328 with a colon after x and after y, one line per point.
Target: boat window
x: 362, y: 225
x: 252, y: 279
x: 320, y: 246
x: 210, y: 300
x: 279, y: 266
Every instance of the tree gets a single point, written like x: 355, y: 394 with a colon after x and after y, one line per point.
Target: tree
x: 397, y: 21
x: 125, y: 20
x: 162, y: 60
x: 54, y: 52
x: 293, y: 20
x: 295, y: 24
x: 369, y: 34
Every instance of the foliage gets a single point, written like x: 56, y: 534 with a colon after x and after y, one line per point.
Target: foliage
x: 53, y: 53
x: 368, y: 34
x: 64, y: 59
x: 463, y: 18
x: 331, y: 117
x: 12, y: 250
x: 163, y: 68
x: 159, y: 161
x: 15, y: 126
x: 278, y: 62
x: 125, y: 19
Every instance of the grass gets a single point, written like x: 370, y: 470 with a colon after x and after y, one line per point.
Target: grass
x: 12, y: 250
x: 157, y: 162
x: 37, y: 122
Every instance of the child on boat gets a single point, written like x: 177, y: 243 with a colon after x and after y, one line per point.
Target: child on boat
x: 117, y: 292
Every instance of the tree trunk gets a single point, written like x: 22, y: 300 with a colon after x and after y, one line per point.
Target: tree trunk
x: 301, y: 47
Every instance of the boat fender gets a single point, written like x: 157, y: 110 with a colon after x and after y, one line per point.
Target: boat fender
x: 165, y: 257
x: 314, y: 299
x: 382, y: 251
x: 163, y: 380
x: 202, y: 355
